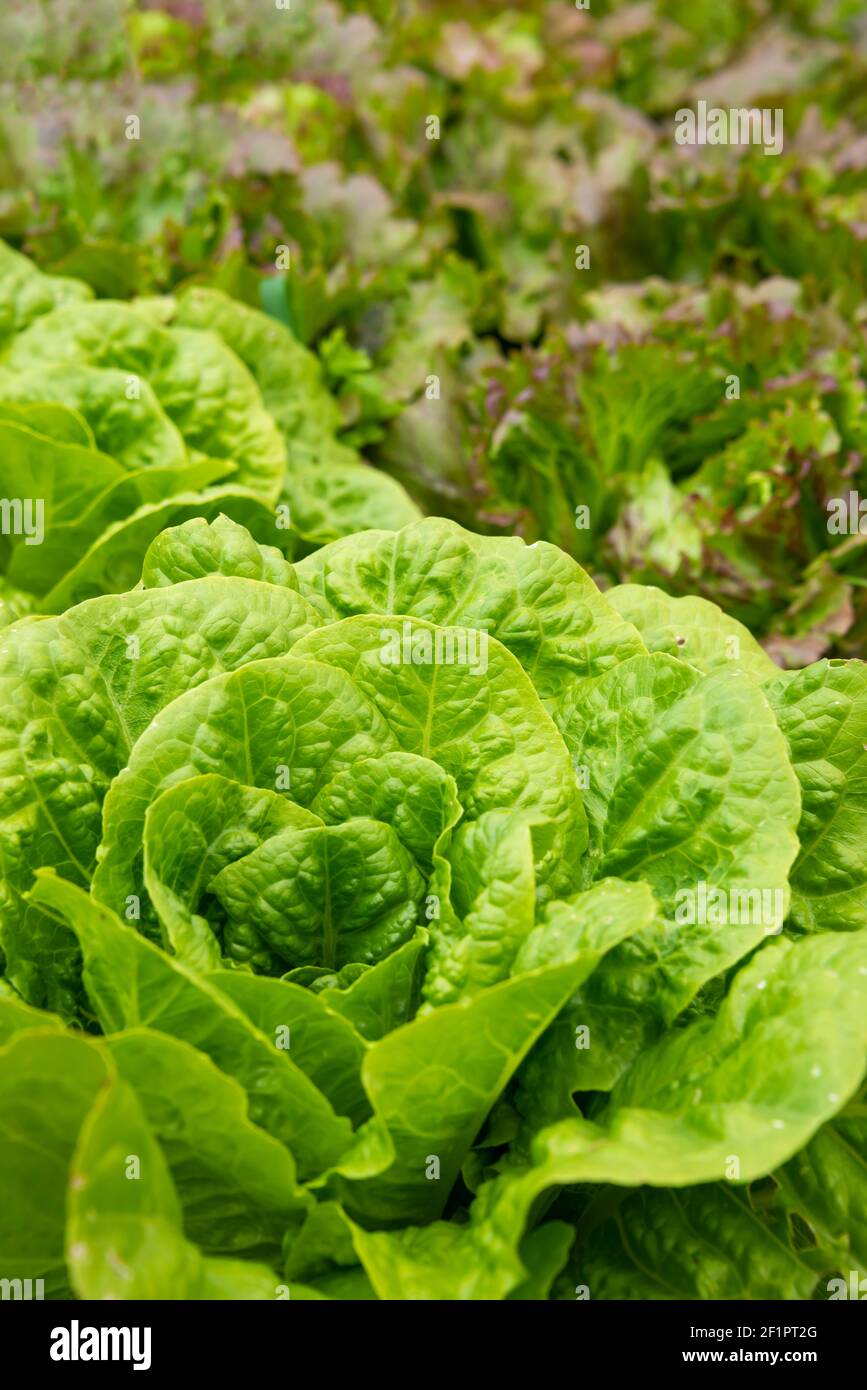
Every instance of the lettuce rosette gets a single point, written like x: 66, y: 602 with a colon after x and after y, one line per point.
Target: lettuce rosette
x: 427, y: 924
x: 119, y: 419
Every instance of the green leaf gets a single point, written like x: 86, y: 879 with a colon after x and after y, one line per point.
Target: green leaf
x: 48, y: 1082
x: 94, y: 551
x: 571, y: 1047
x: 534, y: 599
x: 323, y: 1044
x: 112, y: 563
x: 48, y: 474
x: 690, y: 788
x: 433, y: 1082
x: 57, y: 421
x: 130, y: 425
x: 338, y: 496
x: 18, y: 1017
x: 324, y: 1255
x: 76, y: 692
x: 443, y: 1261
x: 25, y: 292
x: 543, y: 1254
x: 492, y: 888
x: 693, y: 629
x: 191, y: 832
x: 730, y: 1096
x: 124, y: 1238
x: 822, y: 712
x: 203, y: 388
x: 705, y: 1242
x: 199, y: 547
x: 236, y: 1184
x: 466, y: 703
x: 310, y: 721
x: 326, y: 895
x: 132, y: 983
x: 826, y: 1186
x: 385, y: 995
x: 412, y: 794
x: 752, y: 1083
x: 287, y: 373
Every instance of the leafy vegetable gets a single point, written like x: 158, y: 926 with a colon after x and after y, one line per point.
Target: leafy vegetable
x: 389, y: 909
x: 120, y: 419
x: 434, y: 918
x: 488, y: 262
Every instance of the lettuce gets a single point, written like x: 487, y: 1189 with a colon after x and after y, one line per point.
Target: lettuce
x: 431, y: 925
x: 121, y: 419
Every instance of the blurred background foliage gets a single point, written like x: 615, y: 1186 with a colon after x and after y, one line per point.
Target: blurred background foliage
x: 559, y: 388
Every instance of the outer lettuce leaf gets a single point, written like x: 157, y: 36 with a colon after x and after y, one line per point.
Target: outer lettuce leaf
x: 750, y: 1085
x: 704, y: 1242
x: 329, y: 491
x: 14, y: 603
x: 200, y: 384
x: 79, y: 517
x: 543, y: 1254
x: 132, y: 983
x: 822, y: 714
x: 112, y: 563
x: 48, y: 1082
x: 691, y: 784
x: 433, y: 1082
x: 26, y: 293
x: 534, y: 599
x: 826, y: 1186
x: 67, y: 479
x: 59, y: 422
x: 320, y: 1041
x: 129, y: 425
x: 124, y: 1236
x: 692, y: 628
x: 719, y: 1087
x: 288, y: 374
x: 336, y: 498
x: 236, y: 1183
x: 822, y: 711
x: 18, y: 1017
x: 198, y: 547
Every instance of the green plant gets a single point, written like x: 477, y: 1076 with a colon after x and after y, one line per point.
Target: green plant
x: 530, y: 302
x: 397, y: 909
x: 123, y: 418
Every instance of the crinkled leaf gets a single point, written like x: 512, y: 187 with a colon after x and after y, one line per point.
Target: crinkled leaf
x: 132, y: 983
